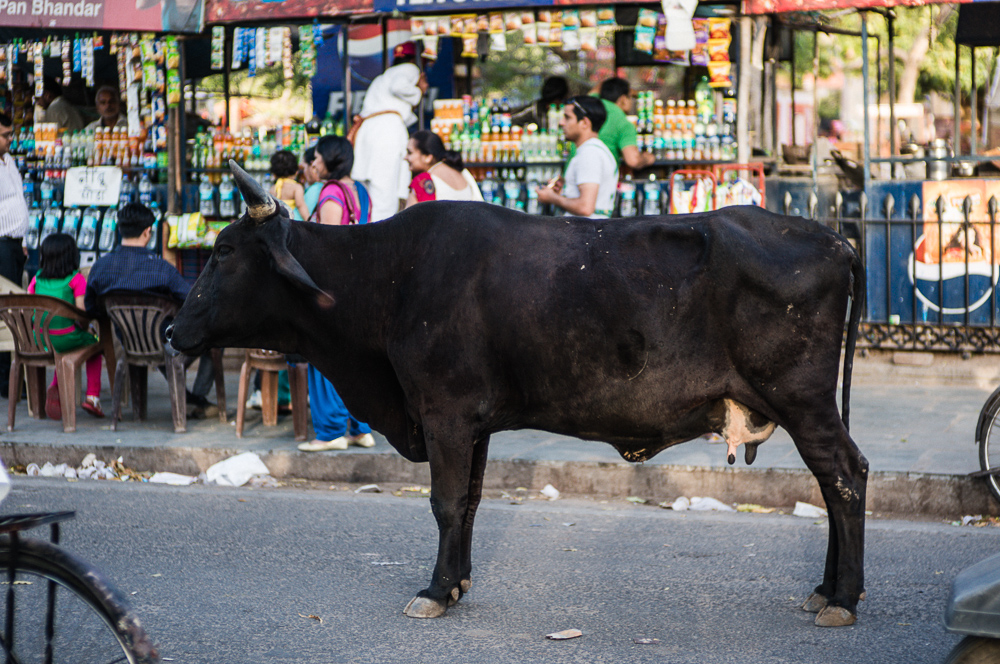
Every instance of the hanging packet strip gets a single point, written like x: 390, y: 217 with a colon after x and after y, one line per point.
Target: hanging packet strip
x: 261, y: 45
x: 699, y: 54
x: 88, y: 62
x: 317, y: 34
x: 39, y: 69
x: 275, y: 38
x: 286, y: 55
x: 645, y: 31
x: 218, y: 47
x: 77, y: 54
x: 251, y: 46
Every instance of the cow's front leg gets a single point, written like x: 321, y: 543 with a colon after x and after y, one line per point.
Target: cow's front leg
x: 451, y: 478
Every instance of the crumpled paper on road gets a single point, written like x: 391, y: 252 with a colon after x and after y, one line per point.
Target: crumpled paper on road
x: 700, y: 504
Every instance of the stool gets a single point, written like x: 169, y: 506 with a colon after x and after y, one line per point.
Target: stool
x: 270, y: 362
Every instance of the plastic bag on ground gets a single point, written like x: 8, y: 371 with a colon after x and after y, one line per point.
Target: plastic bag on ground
x: 680, y: 504
x: 709, y: 505
x: 172, y: 479
x: 550, y: 492
x: 808, y: 511
x: 236, y: 470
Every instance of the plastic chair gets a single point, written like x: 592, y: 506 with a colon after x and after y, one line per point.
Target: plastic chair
x: 28, y: 318
x: 139, y: 320
x: 270, y: 362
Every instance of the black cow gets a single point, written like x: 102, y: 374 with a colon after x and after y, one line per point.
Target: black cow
x: 452, y: 321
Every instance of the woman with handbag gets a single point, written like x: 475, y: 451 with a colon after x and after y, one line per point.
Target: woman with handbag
x: 342, y: 201
x: 380, y: 140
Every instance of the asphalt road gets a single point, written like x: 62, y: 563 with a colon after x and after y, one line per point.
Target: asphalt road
x: 233, y: 576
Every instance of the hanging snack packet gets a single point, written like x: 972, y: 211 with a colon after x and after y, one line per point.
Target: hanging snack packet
x: 173, y: 88
x: 471, y: 26
x: 555, y: 35
x: 699, y: 54
x: 719, y: 28
x: 286, y: 55
x: 483, y: 23
x: 588, y: 40
x: 605, y: 16
x: 88, y: 62
x: 444, y: 26
x: 498, y: 41
x: 457, y: 25
x: 416, y: 27
x: 718, y: 50
x: 718, y: 75
x: 542, y: 29
x: 544, y: 15
x: 528, y: 32
x: 430, y: 51
x: 496, y: 22
x: 570, y: 19
x: 171, y: 57
x: 469, y: 46
x: 588, y: 18
x: 645, y: 30
x: 527, y: 18
x: 512, y: 21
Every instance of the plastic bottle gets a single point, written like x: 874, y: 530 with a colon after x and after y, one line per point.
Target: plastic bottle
x: 71, y: 222
x: 88, y: 228
x: 227, y: 206
x: 126, y: 193
x: 47, y: 190
x: 626, y: 193
x: 488, y: 188
x: 206, y: 197
x: 34, y: 226
x: 50, y: 224
x: 145, y: 190
x: 651, y: 196
x: 109, y: 228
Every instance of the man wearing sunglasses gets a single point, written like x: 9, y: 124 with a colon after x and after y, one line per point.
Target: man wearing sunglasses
x: 588, y: 189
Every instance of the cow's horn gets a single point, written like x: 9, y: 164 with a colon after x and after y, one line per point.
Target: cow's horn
x: 259, y: 204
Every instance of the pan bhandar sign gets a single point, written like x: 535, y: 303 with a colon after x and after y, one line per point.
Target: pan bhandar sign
x: 92, y: 185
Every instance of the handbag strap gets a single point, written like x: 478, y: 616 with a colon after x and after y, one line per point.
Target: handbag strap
x: 350, y: 208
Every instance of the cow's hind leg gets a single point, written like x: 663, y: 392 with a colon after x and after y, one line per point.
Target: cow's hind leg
x: 456, y: 486
x: 842, y: 473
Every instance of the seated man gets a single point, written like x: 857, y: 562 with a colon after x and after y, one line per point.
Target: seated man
x: 134, y: 268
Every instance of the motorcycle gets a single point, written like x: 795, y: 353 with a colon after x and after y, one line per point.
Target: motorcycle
x: 974, y: 610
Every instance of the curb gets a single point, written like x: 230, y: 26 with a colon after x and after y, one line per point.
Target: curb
x: 911, y: 494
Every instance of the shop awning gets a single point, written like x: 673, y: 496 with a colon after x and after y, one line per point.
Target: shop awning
x: 781, y: 6
x: 178, y: 16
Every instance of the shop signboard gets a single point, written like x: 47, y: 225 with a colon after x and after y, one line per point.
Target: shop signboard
x: 229, y: 11
x: 779, y: 6
x: 125, y: 15
x: 92, y: 185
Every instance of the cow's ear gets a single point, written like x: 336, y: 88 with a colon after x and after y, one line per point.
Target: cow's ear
x: 275, y: 236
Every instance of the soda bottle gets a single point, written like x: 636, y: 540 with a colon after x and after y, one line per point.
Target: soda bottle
x: 125, y: 195
x: 626, y: 192
x: 651, y: 196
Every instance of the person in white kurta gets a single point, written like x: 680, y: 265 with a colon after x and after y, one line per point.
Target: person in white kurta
x: 380, y: 145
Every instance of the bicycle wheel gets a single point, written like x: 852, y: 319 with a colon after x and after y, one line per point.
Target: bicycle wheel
x: 60, y: 610
x: 988, y: 437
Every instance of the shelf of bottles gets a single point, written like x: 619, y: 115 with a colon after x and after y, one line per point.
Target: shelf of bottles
x: 510, y: 161
x: 43, y: 156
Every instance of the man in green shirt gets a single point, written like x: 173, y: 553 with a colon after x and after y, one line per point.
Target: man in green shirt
x: 618, y: 133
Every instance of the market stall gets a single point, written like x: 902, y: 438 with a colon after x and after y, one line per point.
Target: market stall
x: 76, y: 176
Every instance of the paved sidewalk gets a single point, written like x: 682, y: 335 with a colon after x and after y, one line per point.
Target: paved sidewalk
x: 915, y: 424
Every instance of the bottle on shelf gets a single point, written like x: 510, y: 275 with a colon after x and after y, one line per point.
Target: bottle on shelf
x: 227, y: 204
x: 31, y: 238
x: 51, y: 219
x: 109, y: 229
x: 206, y: 197
x: 157, y: 223
x: 626, y: 197
x: 71, y: 222
x: 88, y: 228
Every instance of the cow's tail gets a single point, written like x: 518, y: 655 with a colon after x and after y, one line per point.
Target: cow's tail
x: 858, y: 287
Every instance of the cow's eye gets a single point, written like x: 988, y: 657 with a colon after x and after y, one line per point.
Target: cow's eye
x: 223, y: 251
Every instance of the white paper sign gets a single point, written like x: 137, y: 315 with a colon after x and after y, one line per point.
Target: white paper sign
x: 92, y: 185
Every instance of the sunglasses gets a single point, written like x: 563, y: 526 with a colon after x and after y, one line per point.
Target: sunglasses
x: 582, y: 114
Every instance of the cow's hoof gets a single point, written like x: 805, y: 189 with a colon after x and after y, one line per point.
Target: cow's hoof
x: 454, y: 596
x: 465, y: 585
x: 814, y: 603
x: 835, y: 616
x: 424, y: 607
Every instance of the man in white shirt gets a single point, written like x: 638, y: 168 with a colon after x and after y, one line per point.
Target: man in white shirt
x: 108, y: 104
x: 380, y: 144
x: 591, y: 180
x: 13, y: 225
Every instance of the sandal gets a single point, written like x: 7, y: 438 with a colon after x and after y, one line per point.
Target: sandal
x: 93, y: 406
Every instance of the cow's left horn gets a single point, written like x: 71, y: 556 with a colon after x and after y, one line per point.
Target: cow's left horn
x: 260, y: 205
